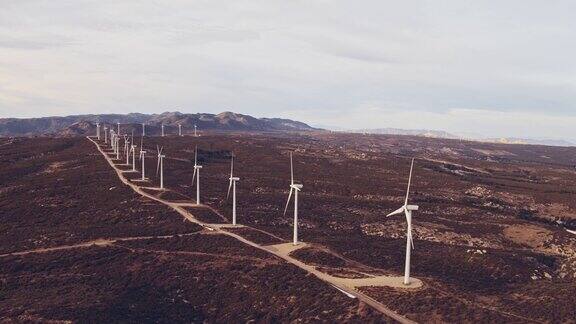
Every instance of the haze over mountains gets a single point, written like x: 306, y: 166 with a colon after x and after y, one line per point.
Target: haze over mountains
x: 83, y: 124
x: 472, y: 137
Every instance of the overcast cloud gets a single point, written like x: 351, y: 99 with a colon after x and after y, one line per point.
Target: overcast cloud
x: 499, y: 68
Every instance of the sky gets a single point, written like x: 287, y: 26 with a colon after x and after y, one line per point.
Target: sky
x: 490, y: 67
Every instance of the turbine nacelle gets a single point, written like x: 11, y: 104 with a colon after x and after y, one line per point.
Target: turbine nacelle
x: 296, y: 187
x: 403, y: 209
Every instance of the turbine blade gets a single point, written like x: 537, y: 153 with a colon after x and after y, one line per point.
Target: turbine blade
x: 409, y: 182
x: 232, y: 166
x: 193, y: 176
x: 196, y: 155
x: 288, y: 202
x: 229, y: 187
x: 158, y: 165
x: 397, y: 211
x: 291, y: 170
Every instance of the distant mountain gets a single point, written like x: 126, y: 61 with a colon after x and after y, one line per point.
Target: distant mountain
x: 85, y: 124
x: 511, y: 140
x: 470, y: 137
x: 413, y: 132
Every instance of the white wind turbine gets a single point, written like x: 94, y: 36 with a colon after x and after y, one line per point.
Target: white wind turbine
x: 142, y: 158
x: 407, y: 210
x: 232, y: 186
x: 127, y: 149
x: 112, y: 139
x: 196, y: 172
x: 160, y: 166
x: 133, y: 151
x: 98, y: 130
x: 296, y: 188
x: 117, y: 145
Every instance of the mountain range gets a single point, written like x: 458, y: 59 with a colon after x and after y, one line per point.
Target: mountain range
x: 78, y: 125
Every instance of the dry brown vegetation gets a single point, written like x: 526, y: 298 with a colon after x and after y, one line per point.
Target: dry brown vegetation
x: 160, y: 268
x: 470, y: 197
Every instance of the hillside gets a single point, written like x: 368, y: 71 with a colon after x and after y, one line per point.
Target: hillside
x: 83, y: 124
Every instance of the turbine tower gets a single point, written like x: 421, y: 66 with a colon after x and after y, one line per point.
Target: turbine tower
x: 296, y: 188
x: 195, y: 127
x: 133, y: 151
x: 105, y: 135
x: 179, y: 129
x: 232, y: 186
x: 127, y: 149
x: 407, y: 210
x: 118, y: 129
x: 117, y: 141
x: 98, y: 130
x: 143, y: 129
x: 196, y: 171
x: 112, y: 138
x: 143, y: 158
x: 160, y: 166
x: 162, y: 130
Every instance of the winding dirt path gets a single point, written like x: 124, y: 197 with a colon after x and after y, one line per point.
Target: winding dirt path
x: 282, y: 251
x: 96, y: 242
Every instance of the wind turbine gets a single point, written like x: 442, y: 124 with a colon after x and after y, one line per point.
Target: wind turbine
x: 133, y: 151
x: 160, y: 166
x: 142, y: 158
x: 162, y: 130
x: 232, y: 186
x: 98, y: 130
x: 407, y: 210
x: 127, y: 149
x: 112, y: 138
x: 117, y: 145
x: 296, y: 188
x: 196, y: 171
x: 179, y: 129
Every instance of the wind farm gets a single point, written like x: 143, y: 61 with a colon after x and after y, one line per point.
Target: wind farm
x: 346, y: 233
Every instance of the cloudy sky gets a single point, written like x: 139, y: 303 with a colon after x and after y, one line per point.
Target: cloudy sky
x: 492, y: 67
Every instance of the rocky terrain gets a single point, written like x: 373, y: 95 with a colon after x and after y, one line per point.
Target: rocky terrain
x: 491, y: 232
x: 77, y: 245
x: 491, y: 236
